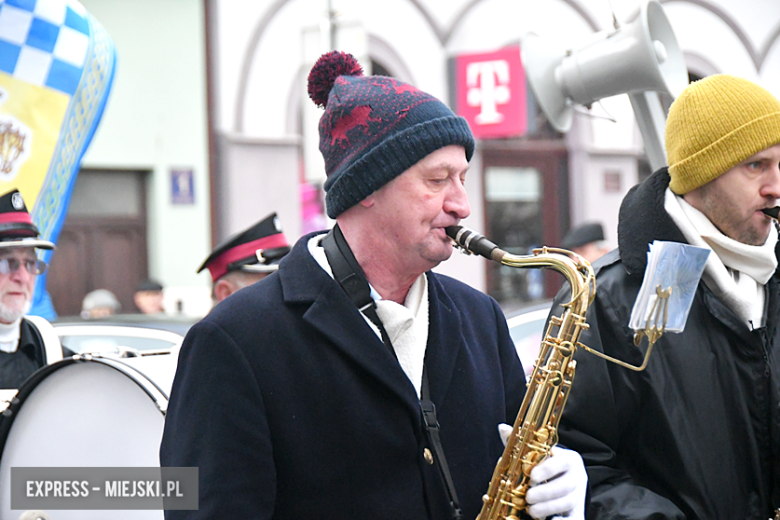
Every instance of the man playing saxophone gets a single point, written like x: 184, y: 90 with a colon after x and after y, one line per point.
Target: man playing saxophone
x: 312, y: 393
x: 697, y: 434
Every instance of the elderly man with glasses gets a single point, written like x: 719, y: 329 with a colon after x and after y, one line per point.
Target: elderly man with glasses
x: 22, y: 348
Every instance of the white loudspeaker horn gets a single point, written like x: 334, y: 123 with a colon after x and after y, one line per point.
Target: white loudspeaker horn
x: 638, y: 57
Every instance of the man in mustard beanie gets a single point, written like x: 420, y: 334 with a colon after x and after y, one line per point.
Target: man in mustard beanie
x: 697, y: 434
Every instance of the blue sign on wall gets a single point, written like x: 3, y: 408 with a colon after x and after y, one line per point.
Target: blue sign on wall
x: 182, y: 187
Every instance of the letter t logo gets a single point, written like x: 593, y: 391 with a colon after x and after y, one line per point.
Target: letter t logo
x: 488, y: 87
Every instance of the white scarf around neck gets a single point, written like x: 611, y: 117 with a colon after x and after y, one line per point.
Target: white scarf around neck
x: 737, y: 272
x: 407, y: 328
x: 9, y: 336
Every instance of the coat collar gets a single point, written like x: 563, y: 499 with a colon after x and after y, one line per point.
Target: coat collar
x: 328, y: 309
x: 643, y: 219
x: 445, y: 340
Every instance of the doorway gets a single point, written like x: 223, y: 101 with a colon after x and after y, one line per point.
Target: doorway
x: 103, y: 242
x: 526, y: 207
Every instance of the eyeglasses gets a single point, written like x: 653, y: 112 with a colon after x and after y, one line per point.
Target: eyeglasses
x: 11, y: 265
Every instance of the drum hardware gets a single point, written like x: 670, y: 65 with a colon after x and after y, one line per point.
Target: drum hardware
x: 126, y: 352
x: 34, y: 515
x: 157, y: 394
x: 6, y: 398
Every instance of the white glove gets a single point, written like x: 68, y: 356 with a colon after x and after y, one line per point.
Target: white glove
x: 558, y: 484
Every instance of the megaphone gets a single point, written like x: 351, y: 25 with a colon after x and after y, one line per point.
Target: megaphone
x: 639, y: 57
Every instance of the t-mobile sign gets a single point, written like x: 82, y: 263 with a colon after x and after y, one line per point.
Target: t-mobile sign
x: 490, y: 92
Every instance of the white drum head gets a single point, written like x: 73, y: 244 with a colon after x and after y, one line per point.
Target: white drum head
x: 96, y: 413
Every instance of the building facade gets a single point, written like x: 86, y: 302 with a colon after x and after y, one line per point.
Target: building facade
x: 223, y: 86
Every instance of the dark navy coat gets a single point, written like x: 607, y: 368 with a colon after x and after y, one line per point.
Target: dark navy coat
x: 292, y: 408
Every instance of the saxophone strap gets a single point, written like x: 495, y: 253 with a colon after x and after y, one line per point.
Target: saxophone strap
x: 350, y: 276
x: 432, y: 428
x: 352, y: 279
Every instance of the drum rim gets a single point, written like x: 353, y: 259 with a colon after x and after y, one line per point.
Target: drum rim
x: 32, y: 382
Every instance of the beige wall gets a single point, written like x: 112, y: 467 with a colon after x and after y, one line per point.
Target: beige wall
x: 156, y: 116
x: 155, y: 120
x: 260, y: 176
x: 417, y: 37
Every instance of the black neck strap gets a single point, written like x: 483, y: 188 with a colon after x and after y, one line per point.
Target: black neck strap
x: 432, y: 428
x: 352, y: 279
x: 350, y: 276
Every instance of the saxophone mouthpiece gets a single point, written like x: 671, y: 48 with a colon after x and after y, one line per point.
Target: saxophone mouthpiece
x: 772, y: 212
x: 473, y: 242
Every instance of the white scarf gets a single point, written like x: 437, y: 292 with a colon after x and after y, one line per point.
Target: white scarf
x: 406, y: 325
x: 9, y: 336
x: 407, y: 328
x: 737, y: 272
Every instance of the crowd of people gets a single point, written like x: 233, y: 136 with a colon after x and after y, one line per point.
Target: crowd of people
x: 341, y: 377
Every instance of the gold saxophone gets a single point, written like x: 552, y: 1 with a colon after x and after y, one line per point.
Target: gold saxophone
x: 535, y: 431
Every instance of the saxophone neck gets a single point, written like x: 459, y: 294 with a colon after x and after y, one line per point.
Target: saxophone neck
x: 576, y: 270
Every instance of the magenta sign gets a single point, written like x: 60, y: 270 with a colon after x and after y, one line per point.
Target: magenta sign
x: 491, y: 92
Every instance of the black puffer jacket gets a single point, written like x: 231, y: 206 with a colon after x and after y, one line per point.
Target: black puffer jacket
x: 697, y: 434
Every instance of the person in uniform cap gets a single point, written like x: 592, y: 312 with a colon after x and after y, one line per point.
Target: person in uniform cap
x: 22, y: 346
x: 328, y: 363
x: 586, y: 240
x: 245, y: 258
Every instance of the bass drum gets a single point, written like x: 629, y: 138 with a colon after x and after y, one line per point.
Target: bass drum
x: 83, y: 411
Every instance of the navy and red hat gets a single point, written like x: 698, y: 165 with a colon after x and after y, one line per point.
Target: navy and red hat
x: 256, y: 250
x: 374, y: 128
x: 16, y: 225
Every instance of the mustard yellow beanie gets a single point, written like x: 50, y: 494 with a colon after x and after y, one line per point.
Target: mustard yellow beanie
x: 715, y: 124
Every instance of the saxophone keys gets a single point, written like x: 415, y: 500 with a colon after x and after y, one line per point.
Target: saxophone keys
x: 566, y: 348
x: 541, y: 435
x: 527, y: 467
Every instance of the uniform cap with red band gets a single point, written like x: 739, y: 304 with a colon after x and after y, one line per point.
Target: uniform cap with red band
x: 255, y: 250
x: 16, y: 225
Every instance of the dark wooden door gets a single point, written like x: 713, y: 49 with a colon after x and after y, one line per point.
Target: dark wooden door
x: 526, y: 206
x: 102, y: 244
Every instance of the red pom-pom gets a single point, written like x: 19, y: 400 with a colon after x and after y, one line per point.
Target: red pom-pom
x: 324, y: 73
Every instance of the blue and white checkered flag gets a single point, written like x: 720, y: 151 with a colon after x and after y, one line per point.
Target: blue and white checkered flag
x: 56, y: 70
